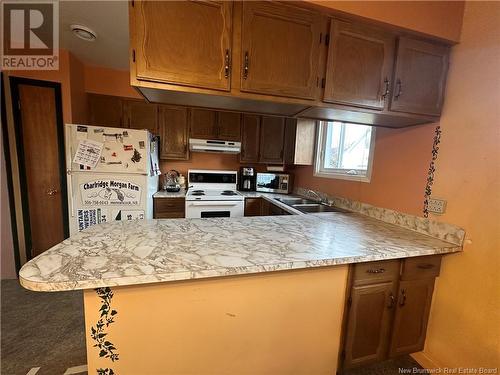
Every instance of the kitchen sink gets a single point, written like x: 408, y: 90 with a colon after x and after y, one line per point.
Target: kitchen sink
x: 291, y: 201
x: 316, y: 208
x: 309, y: 206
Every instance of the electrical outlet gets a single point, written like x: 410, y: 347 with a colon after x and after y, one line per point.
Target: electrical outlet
x: 437, y: 206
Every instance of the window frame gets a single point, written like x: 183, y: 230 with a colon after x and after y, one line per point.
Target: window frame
x: 340, y: 174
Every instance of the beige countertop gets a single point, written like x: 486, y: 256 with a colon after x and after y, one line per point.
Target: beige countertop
x: 150, y: 251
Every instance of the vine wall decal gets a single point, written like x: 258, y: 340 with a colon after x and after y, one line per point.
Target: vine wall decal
x: 98, y: 334
x: 432, y: 170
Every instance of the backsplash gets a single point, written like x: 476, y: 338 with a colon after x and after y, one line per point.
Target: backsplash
x: 443, y: 231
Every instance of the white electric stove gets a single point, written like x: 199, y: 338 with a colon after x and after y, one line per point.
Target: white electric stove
x: 213, y: 194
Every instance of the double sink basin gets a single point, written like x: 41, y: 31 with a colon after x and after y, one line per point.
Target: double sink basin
x: 308, y: 206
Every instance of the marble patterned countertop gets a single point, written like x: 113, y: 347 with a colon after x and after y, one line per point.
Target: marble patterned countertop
x: 152, y: 251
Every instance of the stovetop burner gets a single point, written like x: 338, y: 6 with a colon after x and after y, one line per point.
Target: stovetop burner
x: 198, y: 192
x: 228, y: 192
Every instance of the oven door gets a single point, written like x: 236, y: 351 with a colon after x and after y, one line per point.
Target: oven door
x: 205, y: 209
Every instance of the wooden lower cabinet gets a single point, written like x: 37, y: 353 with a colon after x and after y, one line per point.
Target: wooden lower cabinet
x: 169, y: 208
x: 412, y: 314
x: 369, y: 323
x: 387, y: 309
x: 253, y: 206
x: 262, y: 207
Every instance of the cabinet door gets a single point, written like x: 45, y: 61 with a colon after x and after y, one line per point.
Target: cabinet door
x: 203, y: 124
x: 272, y: 134
x: 280, y: 50
x: 412, y: 313
x: 420, y: 77
x: 168, y: 208
x: 183, y: 42
x: 359, y: 67
x: 141, y: 115
x: 105, y: 110
x: 174, y: 132
x: 253, y: 206
x: 229, y: 126
x: 369, y: 323
x: 250, y: 139
x: 289, y: 141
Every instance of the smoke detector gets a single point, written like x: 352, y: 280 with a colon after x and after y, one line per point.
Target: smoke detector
x: 83, y: 32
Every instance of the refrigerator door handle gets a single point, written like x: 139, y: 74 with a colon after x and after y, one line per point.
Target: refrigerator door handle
x: 69, y: 182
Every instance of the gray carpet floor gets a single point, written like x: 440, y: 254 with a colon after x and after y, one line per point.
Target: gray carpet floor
x: 43, y: 330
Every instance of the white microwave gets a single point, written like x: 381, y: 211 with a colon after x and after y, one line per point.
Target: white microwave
x: 274, y: 183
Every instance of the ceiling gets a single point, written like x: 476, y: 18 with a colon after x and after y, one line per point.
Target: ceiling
x: 109, y: 19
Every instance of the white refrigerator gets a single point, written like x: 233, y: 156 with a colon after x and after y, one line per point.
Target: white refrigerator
x: 112, y: 174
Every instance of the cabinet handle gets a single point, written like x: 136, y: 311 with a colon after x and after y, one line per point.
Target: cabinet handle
x: 245, y: 67
x: 399, y: 89
x: 391, y: 301
x: 403, y: 298
x: 377, y: 270
x: 426, y: 266
x: 227, y: 65
x: 386, y: 90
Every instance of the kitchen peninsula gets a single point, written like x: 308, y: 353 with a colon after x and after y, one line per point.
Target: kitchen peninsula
x: 223, y: 295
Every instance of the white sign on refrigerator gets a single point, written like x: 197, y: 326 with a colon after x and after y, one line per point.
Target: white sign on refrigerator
x: 110, y: 193
x: 88, y: 217
x: 88, y: 153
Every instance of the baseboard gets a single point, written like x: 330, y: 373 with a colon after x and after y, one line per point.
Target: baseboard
x: 425, y: 360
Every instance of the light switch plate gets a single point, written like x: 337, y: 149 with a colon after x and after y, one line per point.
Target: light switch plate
x: 437, y: 206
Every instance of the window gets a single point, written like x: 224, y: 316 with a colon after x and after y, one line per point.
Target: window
x: 345, y: 151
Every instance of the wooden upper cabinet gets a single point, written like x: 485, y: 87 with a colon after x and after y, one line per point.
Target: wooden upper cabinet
x: 369, y: 323
x: 250, y: 139
x: 105, y: 110
x: 272, y: 134
x: 174, y: 132
x: 420, y: 77
x: 280, y: 50
x: 203, y: 124
x: 360, y: 64
x: 183, y: 42
x: 141, y: 115
x: 229, y: 126
x: 412, y: 314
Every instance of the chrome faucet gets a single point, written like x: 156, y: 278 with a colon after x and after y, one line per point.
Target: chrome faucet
x: 320, y: 199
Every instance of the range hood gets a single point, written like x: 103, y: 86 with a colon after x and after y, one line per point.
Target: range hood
x: 207, y: 145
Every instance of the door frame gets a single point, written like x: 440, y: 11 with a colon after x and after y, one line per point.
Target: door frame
x: 16, y: 111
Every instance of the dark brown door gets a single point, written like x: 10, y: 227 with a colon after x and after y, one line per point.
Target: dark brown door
x: 105, y: 110
x: 41, y: 161
x: 369, y: 323
x: 203, y: 124
x: 183, y: 42
x: 420, y: 77
x: 141, y: 115
x: 272, y: 134
x: 250, y: 139
x: 359, y: 67
x: 280, y: 49
x: 412, y: 314
x: 174, y: 132
x: 229, y: 126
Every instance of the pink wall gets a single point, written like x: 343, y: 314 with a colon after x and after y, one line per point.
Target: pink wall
x: 105, y: 81
x: 399, y: 172
x: 439, y: 18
